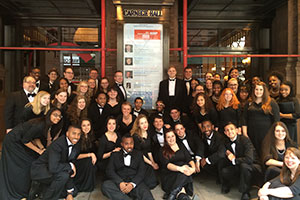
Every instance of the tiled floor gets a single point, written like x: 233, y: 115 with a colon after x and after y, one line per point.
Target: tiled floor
x: 204, y: 186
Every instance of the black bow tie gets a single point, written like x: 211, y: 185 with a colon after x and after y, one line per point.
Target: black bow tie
x: 232, y: 142
x: 31, y: 95
x: 171, y: 79
x: 100, y: 107
x: 160, y: 133
x: 208, y: 138
x: 126, y: 154
x: 184, y: 138
x: 136, y: 111
x: 71, y: 145
x: 119, y: 84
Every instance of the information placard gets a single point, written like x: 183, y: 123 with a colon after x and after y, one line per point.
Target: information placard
x: 143, y: 61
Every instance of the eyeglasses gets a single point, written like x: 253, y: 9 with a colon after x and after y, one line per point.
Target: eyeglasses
x: 30, y: 82
x: 69, y: 72
x: 58, y: 116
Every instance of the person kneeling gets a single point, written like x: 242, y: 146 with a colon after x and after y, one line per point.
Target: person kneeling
x: 125, y: 173
x: 55, y: 169
x: 239, y: 158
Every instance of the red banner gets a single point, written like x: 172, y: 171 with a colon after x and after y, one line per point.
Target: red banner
x: 147, y: 34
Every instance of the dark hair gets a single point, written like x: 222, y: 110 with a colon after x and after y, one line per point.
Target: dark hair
x: 87, y: 143
x: 269, y: 142
x: 74, y: 126
x: 118, y: 71
x: 101, y: 92
x: 233, y: 68
x: 291, y: 85
x: 53, y: 70
x: 68, y: 68
x: 113, y: 87
x: 207, y: 106
x: 230, y: 123
x: 138, y: 98
x: 217, y: 82
x: 111, y: 118
x: 175, y: 108
x: 55, y: 128
x: 157, y: 117
x: 127, y: 135
x: 167, y: 151
x: 94, y: 69
x: 73, y: 110
x: 277, y: 74
x: 188, y: 67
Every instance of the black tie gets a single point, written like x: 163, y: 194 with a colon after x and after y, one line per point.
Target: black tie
x: 126, y: 154
x: 170, y: 79
x: 71, y: 145
x: 232, y: 142
x: 120, y: 84
x: 160, y: 133
x: 31, y: 95
x: 37, y: 84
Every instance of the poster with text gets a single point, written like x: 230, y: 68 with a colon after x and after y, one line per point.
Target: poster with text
x: 143, y: 61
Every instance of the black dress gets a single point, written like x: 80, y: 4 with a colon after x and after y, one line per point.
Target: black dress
x: 290, y: 106
x: 258, y: 123
x: 85, y: 178
x: 274, y: 171
x: 211, y: 115
x: 122, y: 127
x: 144, y: 145
x: 171, y: 180
x: 295, y: 188
x: 114, y: 111
x: 29, y: 114
x: 229, y: 114
x: 16, y: 159
x: 106, y: 146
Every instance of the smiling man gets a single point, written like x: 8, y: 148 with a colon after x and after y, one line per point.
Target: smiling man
x: 55, y: 169
x: 125, y: 172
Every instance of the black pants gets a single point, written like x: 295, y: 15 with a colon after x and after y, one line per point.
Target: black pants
x: 113, y: 192
x: 57, y: 185
x: 245, y: 172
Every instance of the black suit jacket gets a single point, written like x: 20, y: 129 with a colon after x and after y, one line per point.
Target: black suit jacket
x: 212, y: 151
x: 180, y: 94
x: 142, y: 111
x: 98, y: 121
x: 184, y: 120
x: 118, y: 172
x: 14, y: 107
x: 54, y: 160
x: 155, y: 144
x: 244, y: 150
x: 194, y: 142
x: 120, y: 93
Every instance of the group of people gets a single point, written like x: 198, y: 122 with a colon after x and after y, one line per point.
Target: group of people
x: 59, y: 136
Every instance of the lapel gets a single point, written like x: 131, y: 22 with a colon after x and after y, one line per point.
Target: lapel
x: 24, y: 96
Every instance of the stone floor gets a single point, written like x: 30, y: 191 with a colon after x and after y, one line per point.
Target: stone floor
x: 204, y: 186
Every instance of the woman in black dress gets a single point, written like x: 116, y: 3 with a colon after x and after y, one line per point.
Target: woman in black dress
x: 203, y: 109
x: 104, y: 85
x: 275, y: 80
x: 108, y: 143
x: 21, y: 146
x: 259, y: 115
x: 126, y: 119
x: 289, y: 108
x: 273, y: 148
x: 85, y: 164
x: 287, y: 185
x: 142, y: 142
x: 217, y: 90
x: 113, y: 104
x: 39, y: 107
x: 229, y: 110
x: 177, y: 168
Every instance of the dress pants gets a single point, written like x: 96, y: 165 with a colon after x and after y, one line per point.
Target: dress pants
x: 56, y: 185
x: 228, y: 172
x: 113, y: 192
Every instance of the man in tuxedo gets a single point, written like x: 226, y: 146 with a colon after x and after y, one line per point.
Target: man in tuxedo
x: 16, y: 101
x: 125, y: 172
x: 192, y: 143
x: 213, y: 142
x: 172, y: 91
x: 94, y: 73
x: 175, y: 117
x: 137, y: 110
x: 49, y: 86
x: 118, y: 78
x: 239, y: 159
x: 97, y: 112
x: 188, y: 74
x: 157, y: 135
x: 55, y: 168
x: 69, y: 75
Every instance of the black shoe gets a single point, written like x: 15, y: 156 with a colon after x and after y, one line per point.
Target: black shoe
x: 166, y: 195
x: 225, y: 189
x: 245, y: 196
x: 34, y: 190
x: 173, y: 193
x: 183, y: 196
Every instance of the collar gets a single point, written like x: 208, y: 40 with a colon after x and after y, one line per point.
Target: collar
x: 183, y: 137
x: 68, y: 141
x: 137, y: 110
x: 211, y: 135
x: 188, y: 79
x: 234, y: 139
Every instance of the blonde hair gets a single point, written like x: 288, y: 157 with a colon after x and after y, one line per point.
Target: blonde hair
x: 87, y: 95
x: 135, y: 128
x: 37, y: 107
